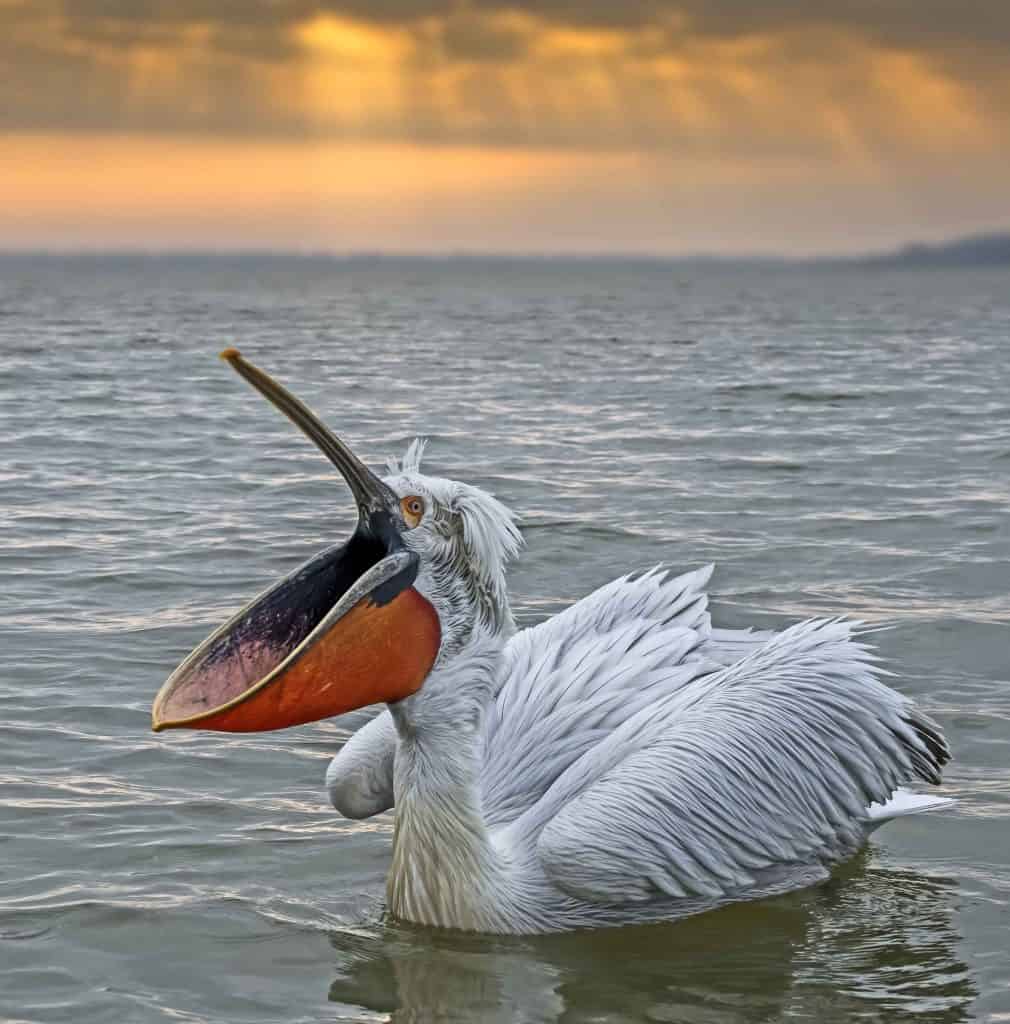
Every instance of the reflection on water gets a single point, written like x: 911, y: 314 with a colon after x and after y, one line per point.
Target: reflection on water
x: 873, y: 942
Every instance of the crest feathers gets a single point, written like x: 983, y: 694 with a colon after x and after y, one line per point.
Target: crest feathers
x: 411, y: 461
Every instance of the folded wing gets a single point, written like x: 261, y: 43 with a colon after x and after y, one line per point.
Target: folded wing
x: 771, y: 762
x: 565, y: 684
x: 573, y: 679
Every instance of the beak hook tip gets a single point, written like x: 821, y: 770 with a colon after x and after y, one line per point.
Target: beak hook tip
x: 229, y: 355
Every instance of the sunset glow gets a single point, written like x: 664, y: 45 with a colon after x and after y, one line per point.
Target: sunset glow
x: 421, y: 125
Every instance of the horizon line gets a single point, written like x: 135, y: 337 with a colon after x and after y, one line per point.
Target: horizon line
x: 992, y: 246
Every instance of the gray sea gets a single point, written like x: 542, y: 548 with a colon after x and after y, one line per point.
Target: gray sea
x: 836, y: 440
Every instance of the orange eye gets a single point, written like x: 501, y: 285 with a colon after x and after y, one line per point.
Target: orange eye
x: 412, y: 508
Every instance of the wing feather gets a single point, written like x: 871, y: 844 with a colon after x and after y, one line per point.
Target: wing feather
x: 771, y: 761
x: 565, y: 685
x: 359, y: 780
x: 572, y: 680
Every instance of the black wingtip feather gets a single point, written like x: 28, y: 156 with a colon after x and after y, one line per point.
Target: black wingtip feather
x: 926, y: 763
x: 934, y: 741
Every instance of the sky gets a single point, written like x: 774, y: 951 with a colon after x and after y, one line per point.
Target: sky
x: 626, y: 126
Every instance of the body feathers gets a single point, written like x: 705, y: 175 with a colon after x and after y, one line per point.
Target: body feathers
x: 631, y: 762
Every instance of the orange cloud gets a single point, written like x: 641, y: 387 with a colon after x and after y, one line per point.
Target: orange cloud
x: 502, y: 77
x: 423, y: 124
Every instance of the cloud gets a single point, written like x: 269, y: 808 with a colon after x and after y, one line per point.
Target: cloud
x: 864, y: 82
x: 468, y: 36
x: 929, y: 24
x: 663, y: 124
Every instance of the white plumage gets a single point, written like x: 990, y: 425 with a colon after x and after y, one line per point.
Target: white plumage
x: 624, y: 760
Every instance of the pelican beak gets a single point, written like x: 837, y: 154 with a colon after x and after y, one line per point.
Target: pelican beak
x: 342, y: 631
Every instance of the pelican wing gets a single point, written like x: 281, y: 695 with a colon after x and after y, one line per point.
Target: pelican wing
x: 359, y: 780
x: 770, y: 762
x: 573, y: 679
x: 565, y: 684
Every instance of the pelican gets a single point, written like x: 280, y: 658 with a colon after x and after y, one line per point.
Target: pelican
x: 623, y: 761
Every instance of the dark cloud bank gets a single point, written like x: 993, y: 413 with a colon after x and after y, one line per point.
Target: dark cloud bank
x: 59, y: 69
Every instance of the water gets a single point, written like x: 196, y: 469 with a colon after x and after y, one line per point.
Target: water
x: 836, y: 440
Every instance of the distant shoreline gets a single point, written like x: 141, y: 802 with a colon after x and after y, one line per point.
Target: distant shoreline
x: 982, y: 250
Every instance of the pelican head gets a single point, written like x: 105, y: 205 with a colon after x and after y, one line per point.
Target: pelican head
x: 421, y: 577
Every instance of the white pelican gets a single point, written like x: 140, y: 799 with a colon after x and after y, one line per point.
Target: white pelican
x: 623, y: 761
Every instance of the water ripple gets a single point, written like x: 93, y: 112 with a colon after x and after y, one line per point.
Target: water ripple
x: 832, y: 440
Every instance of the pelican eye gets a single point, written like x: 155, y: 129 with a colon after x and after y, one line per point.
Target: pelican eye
x: 412, y: 508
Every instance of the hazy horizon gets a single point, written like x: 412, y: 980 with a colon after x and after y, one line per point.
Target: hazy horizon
x: 905, y: 250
